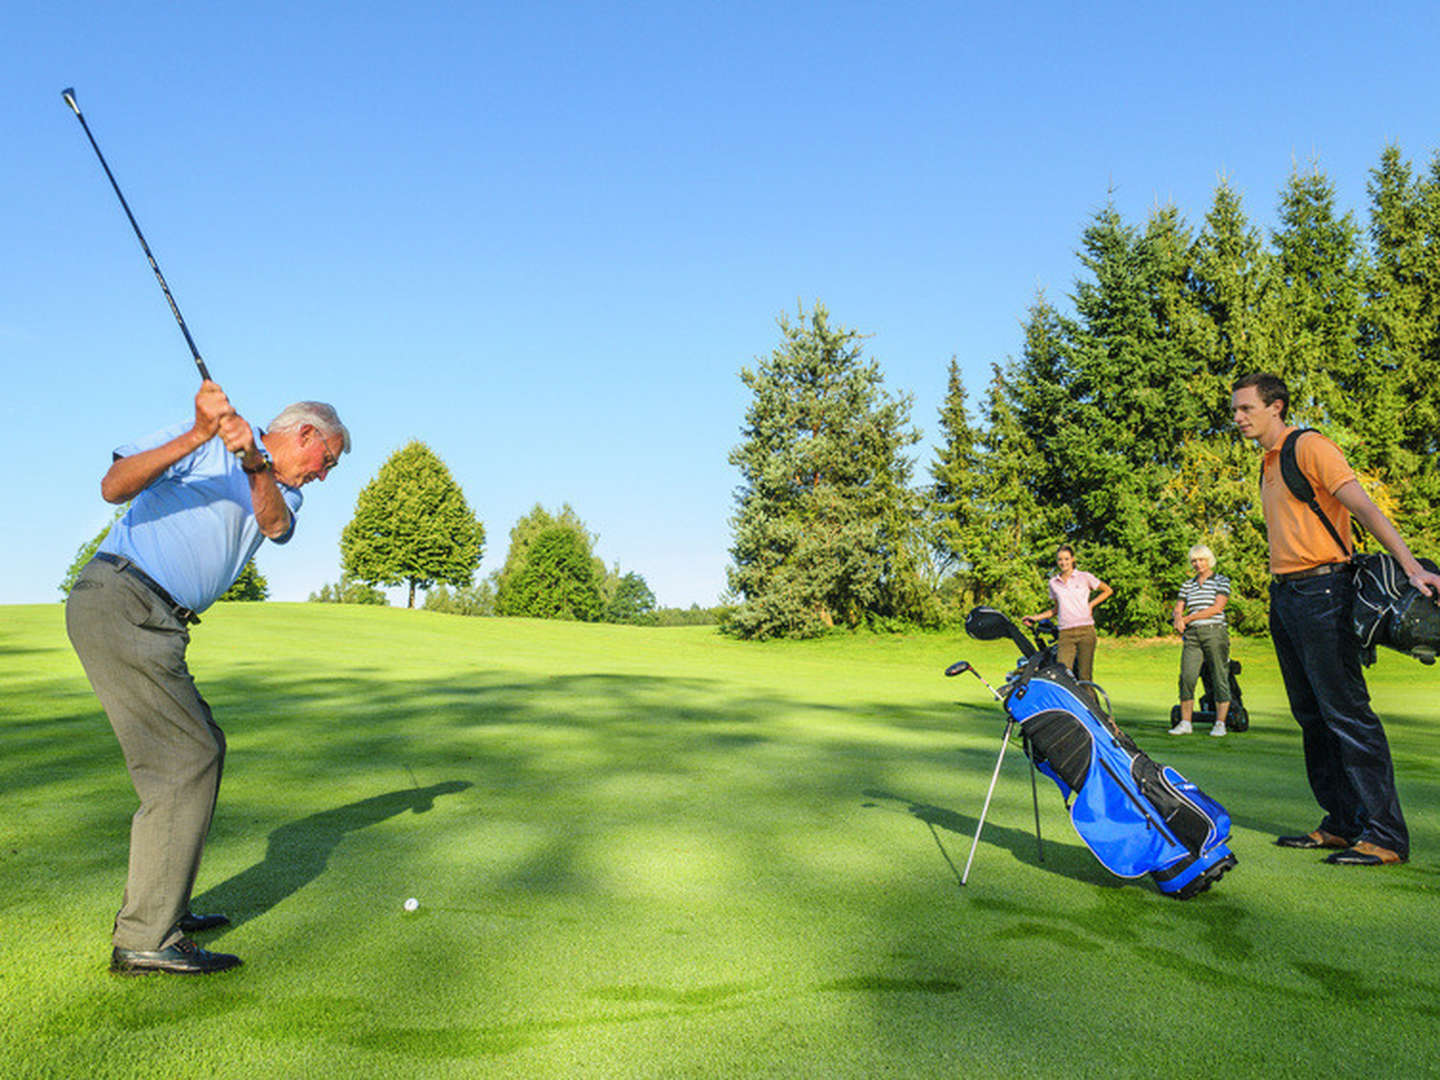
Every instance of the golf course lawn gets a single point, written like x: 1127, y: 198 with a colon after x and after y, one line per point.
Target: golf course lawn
x: 658, y: 852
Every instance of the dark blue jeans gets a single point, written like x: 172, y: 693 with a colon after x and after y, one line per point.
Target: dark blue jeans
x: 1346, y: 755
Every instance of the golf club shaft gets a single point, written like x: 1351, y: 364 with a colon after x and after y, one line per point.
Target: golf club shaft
x: 69, y: 96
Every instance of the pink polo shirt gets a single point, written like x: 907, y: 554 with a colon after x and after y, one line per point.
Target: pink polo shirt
x: 1072, y: 599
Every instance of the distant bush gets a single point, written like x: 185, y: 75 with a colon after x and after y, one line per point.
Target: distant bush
x: 694, y: 615
x: 471, y: 600
x: 349, y: 591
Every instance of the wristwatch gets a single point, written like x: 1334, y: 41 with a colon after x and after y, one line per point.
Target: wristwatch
x: 262, y: 467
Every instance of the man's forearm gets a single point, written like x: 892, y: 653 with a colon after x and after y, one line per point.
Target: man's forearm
x: 271, y: 512
x: 131, y: 475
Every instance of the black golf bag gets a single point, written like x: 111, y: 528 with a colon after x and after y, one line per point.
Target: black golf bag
x: 1136, y: 816
x: 1237, y: 719
x: 1389, y: 611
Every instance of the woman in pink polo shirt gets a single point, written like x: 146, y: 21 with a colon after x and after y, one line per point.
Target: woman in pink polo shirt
x: 1072, y: 601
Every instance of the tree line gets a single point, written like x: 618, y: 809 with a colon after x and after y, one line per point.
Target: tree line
x: 413, y: 527
x: 1110, y: 429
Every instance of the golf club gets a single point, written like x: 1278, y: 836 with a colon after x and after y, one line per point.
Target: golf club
x: 959, y: 668
x: 69, y: 96
x: 962, y: 666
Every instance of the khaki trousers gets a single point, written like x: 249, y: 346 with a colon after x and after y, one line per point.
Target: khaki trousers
x: 132, y: 647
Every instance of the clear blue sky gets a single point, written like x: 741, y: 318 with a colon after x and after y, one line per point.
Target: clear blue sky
x: 544, y: 238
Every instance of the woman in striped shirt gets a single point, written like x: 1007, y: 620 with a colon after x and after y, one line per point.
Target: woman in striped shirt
x: 1199, y: 618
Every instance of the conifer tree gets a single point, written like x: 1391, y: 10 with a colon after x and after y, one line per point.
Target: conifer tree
x: 1403, y: 310
x: 954, y: 501
x: 558, y: 580
x: 824, y: 530
x: 522, y: 540
x: 1321, y: 268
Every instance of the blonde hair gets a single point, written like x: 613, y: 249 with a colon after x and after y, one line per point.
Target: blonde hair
x: 1200, y: 551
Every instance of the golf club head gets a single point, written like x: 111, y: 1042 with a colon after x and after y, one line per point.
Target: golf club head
x: 988, y: 624
x: 69, y: 95
x: 958, y: 668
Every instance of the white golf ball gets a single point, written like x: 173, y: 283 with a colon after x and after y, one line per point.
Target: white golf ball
x: 412, y: 904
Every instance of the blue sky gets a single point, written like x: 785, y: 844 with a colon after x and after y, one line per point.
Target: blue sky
x: 544, y: 238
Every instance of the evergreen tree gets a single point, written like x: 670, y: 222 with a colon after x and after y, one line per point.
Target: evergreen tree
x: 412, y: 525
x: 825, y: 525
x: 1403, y: 310
x: 1234, y: 284
x: 1321, y: 268
x: 1132, y: 352
x: 1011, y: 536
x: 631, y: 602
x: 955, y: 491
x: 249, y: 586
x: 522, y: 540
x: 558, y: 580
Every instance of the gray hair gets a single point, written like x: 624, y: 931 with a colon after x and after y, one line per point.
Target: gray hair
x: 1200, y: 551
x: 318, y: 415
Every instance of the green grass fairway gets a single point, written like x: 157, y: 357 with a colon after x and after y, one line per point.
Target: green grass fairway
x: 660, y: 853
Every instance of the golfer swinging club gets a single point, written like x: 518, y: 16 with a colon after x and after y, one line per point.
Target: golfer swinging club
x: 206, y: 494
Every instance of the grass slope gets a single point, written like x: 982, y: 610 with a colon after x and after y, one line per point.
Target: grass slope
x: 646, y: 852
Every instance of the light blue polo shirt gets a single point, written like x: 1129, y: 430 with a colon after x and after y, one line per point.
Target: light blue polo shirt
x: 193, y: 529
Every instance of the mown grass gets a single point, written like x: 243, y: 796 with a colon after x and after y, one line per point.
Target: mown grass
x: 647, y: 852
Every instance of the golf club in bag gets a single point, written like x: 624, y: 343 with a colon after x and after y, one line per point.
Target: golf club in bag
x: 1137, y: 817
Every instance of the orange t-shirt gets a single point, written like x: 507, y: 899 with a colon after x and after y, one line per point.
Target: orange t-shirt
x: 1298, y: 541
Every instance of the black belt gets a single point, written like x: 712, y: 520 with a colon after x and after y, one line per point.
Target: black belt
x: 124, y: 565
x: 1314, y: 571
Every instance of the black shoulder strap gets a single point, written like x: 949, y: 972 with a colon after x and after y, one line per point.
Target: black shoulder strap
x: 1299, y: 484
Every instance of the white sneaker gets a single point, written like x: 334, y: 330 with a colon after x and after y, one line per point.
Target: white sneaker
x: 1219, y: 728
x: 1184, y: 727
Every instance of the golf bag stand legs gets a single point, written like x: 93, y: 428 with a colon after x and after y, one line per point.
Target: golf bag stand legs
x: 995, y: 776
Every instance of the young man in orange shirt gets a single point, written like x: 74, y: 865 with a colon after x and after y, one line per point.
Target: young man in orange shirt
x: 1347, y: 757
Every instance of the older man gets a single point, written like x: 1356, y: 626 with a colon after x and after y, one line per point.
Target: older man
x: 206, y: 495
x: 1347, y: 757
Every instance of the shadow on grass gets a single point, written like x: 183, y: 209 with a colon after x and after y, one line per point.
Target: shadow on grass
x: 1068, y: 860
x: 298, y: 852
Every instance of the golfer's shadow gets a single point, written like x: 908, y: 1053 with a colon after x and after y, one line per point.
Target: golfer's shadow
x: 298, y: 852
x: 1068, y: 860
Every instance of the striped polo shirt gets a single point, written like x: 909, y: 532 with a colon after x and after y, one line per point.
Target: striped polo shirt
x: 1199, y: 595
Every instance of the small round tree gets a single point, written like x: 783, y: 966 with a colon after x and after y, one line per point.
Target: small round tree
x: 412, y: 525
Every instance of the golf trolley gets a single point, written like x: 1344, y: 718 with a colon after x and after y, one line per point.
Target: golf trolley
x: 1136, y: 816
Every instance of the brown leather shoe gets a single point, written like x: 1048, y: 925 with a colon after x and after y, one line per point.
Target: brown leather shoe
x: 1317, y: 839
x: 1366, y: 854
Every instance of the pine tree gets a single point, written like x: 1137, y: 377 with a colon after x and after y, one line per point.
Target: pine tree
x: 522, y: 540
x: 1011, y: 535
x: 1403, y: 310
x: 412, y: 525
x: 1321, y: 268
x: 825, y: 526
x: 249, y: 586
x: 558, y: 580
x: 1132, y: 350
x: 954, y: 493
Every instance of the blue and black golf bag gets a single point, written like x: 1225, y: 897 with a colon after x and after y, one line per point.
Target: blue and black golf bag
x: 1136, y: 816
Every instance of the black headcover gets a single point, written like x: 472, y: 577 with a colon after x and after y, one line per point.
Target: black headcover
x: 988, y: 624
